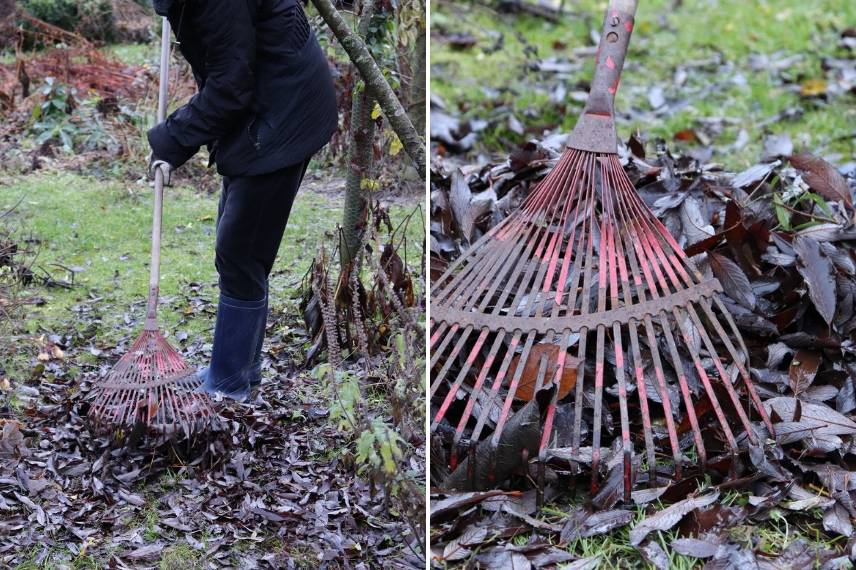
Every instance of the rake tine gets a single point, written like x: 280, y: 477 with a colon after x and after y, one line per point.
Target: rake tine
x: 500, y: 337
x: 512, y: 389
x: 613, y: 255
x: 498, y: 380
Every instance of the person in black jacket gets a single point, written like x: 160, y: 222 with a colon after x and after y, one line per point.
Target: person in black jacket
x: 265, y: 105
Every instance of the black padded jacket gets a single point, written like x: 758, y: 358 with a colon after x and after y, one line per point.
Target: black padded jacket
x: 266, y: 98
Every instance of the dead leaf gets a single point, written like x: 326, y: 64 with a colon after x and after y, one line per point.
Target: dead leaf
x: 813, y: 87
x: 823, y: 178
x: 817, y: 271
x: 733, y: 280
x: 549, y: 352
x: 669, y: 517
x: 803, y: 369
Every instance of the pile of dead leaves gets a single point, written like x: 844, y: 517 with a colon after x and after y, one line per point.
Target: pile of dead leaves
x: 780, y: 238
x: 269, y: 487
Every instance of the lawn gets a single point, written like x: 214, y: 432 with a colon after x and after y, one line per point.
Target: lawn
x: 753, y: 66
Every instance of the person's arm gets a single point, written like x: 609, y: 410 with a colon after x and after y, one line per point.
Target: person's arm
x: 227, y: 29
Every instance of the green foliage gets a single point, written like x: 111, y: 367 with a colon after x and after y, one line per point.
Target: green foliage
x: 381, y: 43
x: 343, y: 389
x: 379, y: 448
x: 64, y: 118
x: 93, y: 19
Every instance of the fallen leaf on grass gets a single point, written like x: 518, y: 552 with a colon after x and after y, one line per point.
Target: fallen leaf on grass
x: 669, y: 517
x: 582, y: 524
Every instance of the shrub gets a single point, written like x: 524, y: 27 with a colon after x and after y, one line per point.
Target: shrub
x: 92, y: 19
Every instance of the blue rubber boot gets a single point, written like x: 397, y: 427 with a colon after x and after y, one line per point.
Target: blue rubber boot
x: 238, y: 332
x: 256, y: 369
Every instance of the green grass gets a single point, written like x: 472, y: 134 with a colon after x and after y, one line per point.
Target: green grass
x: 135, y: 54
x: 695, y: 31
x: 180, y: 557
x: 102, y: 229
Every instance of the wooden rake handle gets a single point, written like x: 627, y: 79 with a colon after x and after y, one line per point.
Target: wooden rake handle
x: 154, y: 277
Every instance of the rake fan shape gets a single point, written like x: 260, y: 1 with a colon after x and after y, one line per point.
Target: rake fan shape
x: 584, y: 268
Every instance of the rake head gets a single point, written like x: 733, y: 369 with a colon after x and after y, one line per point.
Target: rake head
x: 150, y: 386
x: 583, y: 274
x: 584, y: 289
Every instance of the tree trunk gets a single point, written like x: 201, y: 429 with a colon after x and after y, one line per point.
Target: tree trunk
x: 360, y: 143
x: 414, y: 144
x: 417, y: 84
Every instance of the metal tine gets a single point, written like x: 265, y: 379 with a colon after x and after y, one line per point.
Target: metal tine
x: 652, y: 341
x: 580, y: 207
x: 501, y: 303
x: 582, y: 268
x: 553, y: 254
x: 739, y: 363
x: 649, y: 249
x: 614, y: 269
x: 539, y: 283
x: 601, y: 332
x: 500, y: 258
x: 459, y: 380
x: 500, y: 337
x: 497, y: 382
x: 735, y: 356
x: 708, y: 344
x: 559, y: 236
x: 529, y: 211
x: 512, y: 389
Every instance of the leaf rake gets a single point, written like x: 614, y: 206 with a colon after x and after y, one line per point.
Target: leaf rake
x: 585, y: 267
x: 150, y: 386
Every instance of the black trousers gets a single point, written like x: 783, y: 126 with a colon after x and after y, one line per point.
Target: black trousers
x: 251, y: 219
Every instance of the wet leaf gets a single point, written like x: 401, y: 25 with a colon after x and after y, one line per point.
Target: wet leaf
x: 733, y: 280
x: 669, y: 517
x: 816, y: 269
x: 549, y: 353
x: 823, y: 178
x: 803, y: 369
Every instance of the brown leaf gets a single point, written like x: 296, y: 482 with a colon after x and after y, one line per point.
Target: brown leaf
x: 823, y: 177
x: 528, y: 380
x: 816, y: 269
x: 733, y: 280
x: 803, y: 369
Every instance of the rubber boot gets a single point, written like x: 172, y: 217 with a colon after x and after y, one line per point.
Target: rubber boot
x: 256, y: 372
x: 237, y: 333
x: 256, y: 369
